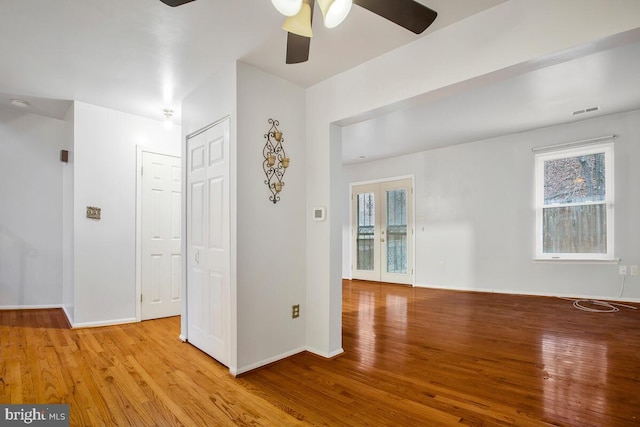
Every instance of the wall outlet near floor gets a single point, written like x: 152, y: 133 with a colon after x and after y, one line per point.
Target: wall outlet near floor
x: 634, y: 270
x: 622, y: 270
x: 295, y: 311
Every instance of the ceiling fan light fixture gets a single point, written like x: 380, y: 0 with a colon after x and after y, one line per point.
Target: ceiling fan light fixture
x: 288, y: 7
x: 300, y: 24
x: 334, y: 11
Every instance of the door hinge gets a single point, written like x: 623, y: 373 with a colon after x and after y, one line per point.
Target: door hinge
x: 140, y: 297
x: 141, y: 170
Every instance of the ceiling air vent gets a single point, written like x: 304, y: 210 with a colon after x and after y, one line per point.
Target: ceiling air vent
x: 586, y: 110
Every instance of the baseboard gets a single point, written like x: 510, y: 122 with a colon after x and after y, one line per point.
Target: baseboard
x: 536, y: 294
x: 68, y: 316
x: 182, y: 338
x: 29, y: 307
x: 103, y: 323
x: 238, y: 371
x: 330, y: 355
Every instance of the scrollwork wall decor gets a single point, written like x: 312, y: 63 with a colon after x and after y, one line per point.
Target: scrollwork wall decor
x: 275, y: 162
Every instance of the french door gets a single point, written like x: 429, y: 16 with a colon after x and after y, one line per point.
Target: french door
x: 382, y: 231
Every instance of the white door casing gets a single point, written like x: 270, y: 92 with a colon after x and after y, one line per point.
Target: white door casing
x: 160, y: 236
x: 208, y: 241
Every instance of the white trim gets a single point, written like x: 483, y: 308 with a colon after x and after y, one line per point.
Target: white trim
x: 30, y: 307
x: 577, y: 261
x: 378, y: 181
x: 536, y: 294
x: 237, y: 371
x: 574, y: 149
x: 67, y: 315
x: 103, y: 323
x: 323, y: 354
x: 573, y: 144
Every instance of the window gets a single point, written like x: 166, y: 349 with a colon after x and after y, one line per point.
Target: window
x: 574, y: 203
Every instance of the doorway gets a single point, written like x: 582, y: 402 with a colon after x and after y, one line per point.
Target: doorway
x: 382, y: 231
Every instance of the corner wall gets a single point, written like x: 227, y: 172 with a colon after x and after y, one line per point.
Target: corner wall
x: 30, y: 210
x: 68, y: 289
x: 271, y: 237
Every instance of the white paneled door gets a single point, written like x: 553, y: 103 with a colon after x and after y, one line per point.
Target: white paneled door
x: 382, y: 231
x: 208, y: 241
x: 160, y: 244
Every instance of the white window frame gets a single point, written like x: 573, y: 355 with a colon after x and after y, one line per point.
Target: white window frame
x: 540, y: 159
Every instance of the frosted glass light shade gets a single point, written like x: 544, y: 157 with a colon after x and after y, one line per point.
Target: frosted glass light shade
x: 334, y: 11
x: 300, y: 24
x: 288, y: 7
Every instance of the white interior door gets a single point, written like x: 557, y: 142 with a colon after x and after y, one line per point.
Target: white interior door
x: 208, y: 241
x: 382, y: 230
x: 160, y: 244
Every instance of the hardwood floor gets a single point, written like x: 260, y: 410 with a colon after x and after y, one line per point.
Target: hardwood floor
x: 412, y: 357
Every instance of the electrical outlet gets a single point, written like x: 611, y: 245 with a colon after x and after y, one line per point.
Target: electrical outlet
x: 622, y: 270
x: 295, y: 311
x: 634, y: 270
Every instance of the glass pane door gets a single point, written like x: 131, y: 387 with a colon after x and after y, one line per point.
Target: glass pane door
x: 382, y: 224
x: 396, y: 230
x: 366, y: 228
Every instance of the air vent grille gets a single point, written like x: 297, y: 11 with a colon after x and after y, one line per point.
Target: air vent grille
x: 586, y: 110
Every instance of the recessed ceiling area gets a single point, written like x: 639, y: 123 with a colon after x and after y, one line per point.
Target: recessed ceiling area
x: 143, y: 56
x: 547, y: 96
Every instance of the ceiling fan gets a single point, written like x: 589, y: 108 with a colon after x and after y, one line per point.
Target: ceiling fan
x: 409, y: 14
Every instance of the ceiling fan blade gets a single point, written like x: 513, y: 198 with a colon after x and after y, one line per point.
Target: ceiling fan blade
x: 409, y: 14
x: 174, y: 3
x: 298, y: 46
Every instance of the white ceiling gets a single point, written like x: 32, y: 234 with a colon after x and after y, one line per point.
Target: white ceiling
x: 532, y: 96
x: 140, y: 56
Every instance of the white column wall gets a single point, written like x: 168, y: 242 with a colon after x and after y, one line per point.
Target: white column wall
x: 503, y: 37
x: 271, y: 237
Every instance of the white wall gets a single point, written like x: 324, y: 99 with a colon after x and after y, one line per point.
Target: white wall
x: 505, y: 37
x: 30, y: 210
x: 213, y: 100
x: 68, y: 289
x: 104, y: 166
x: 271, y: 258
x: 476, y: 218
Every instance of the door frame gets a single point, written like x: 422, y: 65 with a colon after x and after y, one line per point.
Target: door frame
x: 412, y: 225
x: 139, y: 150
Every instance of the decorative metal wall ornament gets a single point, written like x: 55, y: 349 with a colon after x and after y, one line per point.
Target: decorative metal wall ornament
x: 275, y: 162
